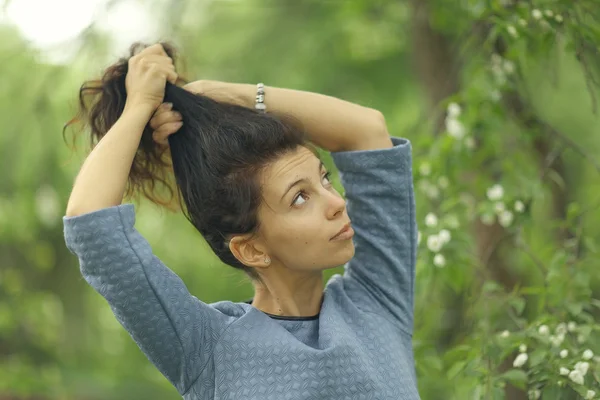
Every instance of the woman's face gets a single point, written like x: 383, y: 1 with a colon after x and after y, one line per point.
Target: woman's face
x: 300, y: 213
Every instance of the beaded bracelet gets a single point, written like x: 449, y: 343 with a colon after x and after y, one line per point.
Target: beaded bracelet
x: 260, y: 98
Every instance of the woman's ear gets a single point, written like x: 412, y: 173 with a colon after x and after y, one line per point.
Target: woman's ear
x: 247, y: 251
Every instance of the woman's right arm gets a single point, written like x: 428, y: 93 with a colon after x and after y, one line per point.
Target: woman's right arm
x: 103, y: 177
x: 175, y: 330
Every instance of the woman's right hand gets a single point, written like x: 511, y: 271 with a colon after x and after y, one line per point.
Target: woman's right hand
x: 148, y: 72
x: 165, y: 122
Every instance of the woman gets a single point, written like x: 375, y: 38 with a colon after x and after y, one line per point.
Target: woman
x: 253, y: 186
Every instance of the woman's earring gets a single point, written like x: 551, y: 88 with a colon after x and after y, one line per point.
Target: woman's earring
x: 267, y: 260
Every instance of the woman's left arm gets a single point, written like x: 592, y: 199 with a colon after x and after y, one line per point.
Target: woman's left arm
x: 330, y: 123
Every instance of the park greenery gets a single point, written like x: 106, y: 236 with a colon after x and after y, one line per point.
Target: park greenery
x: 500, y: 101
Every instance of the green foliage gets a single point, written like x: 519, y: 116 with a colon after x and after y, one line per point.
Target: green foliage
x: 507, y: 188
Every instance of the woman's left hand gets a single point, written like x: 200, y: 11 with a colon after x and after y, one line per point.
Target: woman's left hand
x: 165, y: 122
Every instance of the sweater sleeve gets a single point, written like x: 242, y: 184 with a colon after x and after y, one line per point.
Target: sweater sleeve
x: 174, y: 329
x: 381, y: 206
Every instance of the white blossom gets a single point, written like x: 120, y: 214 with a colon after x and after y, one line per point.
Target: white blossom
x: 543, y: 330
x: 522, y: 348
x: 536, y: 14
x: 557, y: 340
x: 499, y: 207
x: 561, y: 329
x: 558, y: 18
x: 534, y: 394
x: 571, y: 326
x: 509, y: 66
x: 519, y: 206
x: 431, y: 219
x: 549, y: 13
x: 443, y: 182
x: 454, y: 110
x: 505, y: 218
x: 495, y: 192
x: 581, y: 339
x: 564, y: 371
x: 520, y: 360
x: 522, y: 22
x: 455, y: 128
x: 512, y: 31
x: 425, y: 169
x: 576, y: 377
x: 432, y: 191
x: 488, y: 219
x: 434, y: 243
x: 588, y: 354
x: 439, y: 260
x: 590, y: 394
x: 564, y: 353
x: 470, y: 143
x: 496, y: 59
x: 505, y: 334
x: 582, y: 366
x: 418, y: 237
x: 444, y: 235
x: 47, y: 205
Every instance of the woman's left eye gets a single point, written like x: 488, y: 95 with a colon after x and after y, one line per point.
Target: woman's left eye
x: 327, y: 177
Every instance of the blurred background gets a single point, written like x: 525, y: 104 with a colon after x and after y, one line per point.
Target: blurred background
x: 499, y: 98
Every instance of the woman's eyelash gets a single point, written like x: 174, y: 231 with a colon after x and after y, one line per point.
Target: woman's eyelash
x: 327, y: 176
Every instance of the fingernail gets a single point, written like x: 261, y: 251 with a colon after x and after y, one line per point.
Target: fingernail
x: 168, y: 106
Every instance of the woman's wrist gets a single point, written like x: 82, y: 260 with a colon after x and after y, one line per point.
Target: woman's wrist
x: 236, y: 93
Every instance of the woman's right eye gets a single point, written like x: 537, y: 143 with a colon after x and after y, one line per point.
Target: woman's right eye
x: 301, y: 196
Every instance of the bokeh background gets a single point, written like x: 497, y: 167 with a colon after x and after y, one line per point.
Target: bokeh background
x: 497, y: 96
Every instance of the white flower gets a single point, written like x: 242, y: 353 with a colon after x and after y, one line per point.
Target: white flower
x: 454, y: 110
x: 509, y: 66
x: 522, y: 22
x: 425, y: 168
x: 557, y: 340
x: 418, y: 238
x: 444, y: 235
x: 558, y: 18
x: 522, y: 348
x: 576, y: 377
x: 455, y: 128
x: 512, y: 31
x: 488, y: 219
x: 470, y: 143
x: 434, y: 243
x: 520, y: 360
x: 571, y: 326
x: 496, y: 59
x: 439, y: 260
x: 590, y: 394
x: 495, y: 192
x: 505, y: 218
x: 432, y: 191
x: 588, y: 354
x: 582, y: 366
x: 431, y: 219
x: 534, y: 394
x: 564, y: 353
x: 549, y: 13
x: 499, y: 207
x: 543, y: 330
x: 505, y: 334
x: 536, y: 14
x: 519, y: 206
x: 561, y: 329
x: 443, y: 182
x: 564, y: 371
x: 581, y: 339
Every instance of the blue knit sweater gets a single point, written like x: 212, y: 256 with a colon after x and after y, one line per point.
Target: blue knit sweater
x: 358, y: 347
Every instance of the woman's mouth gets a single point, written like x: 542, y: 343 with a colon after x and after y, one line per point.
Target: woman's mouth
x: 345, y: 233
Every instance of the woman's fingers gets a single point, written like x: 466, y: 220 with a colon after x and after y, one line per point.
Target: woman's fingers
x: 162, y: 134
x: 164, y: 115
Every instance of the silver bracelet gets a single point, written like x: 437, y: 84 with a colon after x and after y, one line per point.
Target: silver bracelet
x: 260, y: 98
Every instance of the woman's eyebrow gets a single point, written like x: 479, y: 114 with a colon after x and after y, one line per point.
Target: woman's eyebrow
x: 301, y: 180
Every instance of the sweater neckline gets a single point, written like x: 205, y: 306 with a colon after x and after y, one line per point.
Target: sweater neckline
x: 284, y: 317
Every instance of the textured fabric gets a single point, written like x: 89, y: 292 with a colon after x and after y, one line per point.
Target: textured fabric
x: 360, y: 345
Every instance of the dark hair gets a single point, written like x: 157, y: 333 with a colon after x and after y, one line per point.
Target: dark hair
x: 216, y: 157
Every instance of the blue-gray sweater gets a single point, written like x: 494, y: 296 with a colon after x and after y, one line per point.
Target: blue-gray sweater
x: 358, y: 347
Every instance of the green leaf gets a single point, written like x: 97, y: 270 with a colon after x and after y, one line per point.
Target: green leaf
x: 516, y: 377
x: 455, y: 369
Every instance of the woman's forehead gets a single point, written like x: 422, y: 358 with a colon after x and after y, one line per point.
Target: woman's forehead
x: 297, y: 164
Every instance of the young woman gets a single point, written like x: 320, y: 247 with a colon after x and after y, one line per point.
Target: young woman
x: 252, y: 184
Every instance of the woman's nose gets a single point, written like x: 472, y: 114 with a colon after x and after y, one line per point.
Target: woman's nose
x: 336, y: 204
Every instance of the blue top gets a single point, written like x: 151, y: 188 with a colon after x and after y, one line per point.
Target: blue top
x: 358, y: 347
